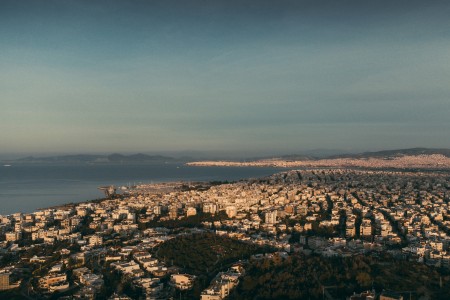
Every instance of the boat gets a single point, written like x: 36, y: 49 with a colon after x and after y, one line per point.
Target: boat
x: 7, y: 165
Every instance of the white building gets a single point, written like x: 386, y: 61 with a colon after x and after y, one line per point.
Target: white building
x: 95, y: 240
x: 270, y: 217
x: 231, y: 211
x: 182, y: 281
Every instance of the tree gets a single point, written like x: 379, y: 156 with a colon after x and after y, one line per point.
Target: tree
x: 364, y: 279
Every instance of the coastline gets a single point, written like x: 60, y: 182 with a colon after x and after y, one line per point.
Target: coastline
x: 27, y: 188
x: 62, y: 189
x: 432, y: 161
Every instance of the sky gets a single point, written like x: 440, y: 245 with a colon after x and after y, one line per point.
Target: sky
x: 254, y: 77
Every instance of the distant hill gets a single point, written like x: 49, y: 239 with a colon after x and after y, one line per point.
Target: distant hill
x: 395, y: 153
x: 89, y: 158
x: 311, y: 155
x: 62, y: 158
x: 299, y: 157
x: 137, y: 158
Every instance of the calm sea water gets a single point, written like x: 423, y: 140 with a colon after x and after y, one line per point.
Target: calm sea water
x: 25, y: 188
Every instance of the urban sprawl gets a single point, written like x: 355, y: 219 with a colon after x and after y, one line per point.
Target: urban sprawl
x: 323, y: 212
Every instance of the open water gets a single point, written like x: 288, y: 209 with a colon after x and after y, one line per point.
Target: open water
x: 25, y: 188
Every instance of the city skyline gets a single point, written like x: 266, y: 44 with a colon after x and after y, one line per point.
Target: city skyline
x: 255, y: 77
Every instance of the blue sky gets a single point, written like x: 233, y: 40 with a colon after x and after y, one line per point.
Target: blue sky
x: 254, y: 77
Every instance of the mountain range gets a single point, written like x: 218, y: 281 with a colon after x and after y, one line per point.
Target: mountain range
x: 96, y: 158
x: 145, y: 158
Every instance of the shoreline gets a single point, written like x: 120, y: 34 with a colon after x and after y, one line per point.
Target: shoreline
x: 29, y: 188
x: 433, y: 161
x: 163, y: 187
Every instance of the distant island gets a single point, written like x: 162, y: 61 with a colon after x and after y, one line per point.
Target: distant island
x: 96, y: 158
x: 421, y: 158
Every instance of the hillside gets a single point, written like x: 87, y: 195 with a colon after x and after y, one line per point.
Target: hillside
x: 395, y: 153
x: 320, y: 154
x: 416, y: 158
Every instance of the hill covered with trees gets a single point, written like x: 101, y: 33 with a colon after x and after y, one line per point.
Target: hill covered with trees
x: 304, y: 277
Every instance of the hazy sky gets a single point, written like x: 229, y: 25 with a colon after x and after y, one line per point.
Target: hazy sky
x: 252, y: 76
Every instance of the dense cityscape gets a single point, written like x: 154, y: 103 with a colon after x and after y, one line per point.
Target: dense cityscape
x: 214, y: 240
x: 430, y: 161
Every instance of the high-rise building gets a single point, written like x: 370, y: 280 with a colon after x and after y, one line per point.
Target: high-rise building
x: 157, y: 210
x: 4, y: 281
x: 366, y: 228
x: 270, y: 217
x: 173, y: 212
x: 210, y: 208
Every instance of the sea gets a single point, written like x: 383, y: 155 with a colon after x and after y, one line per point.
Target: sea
x: 28, y: 187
